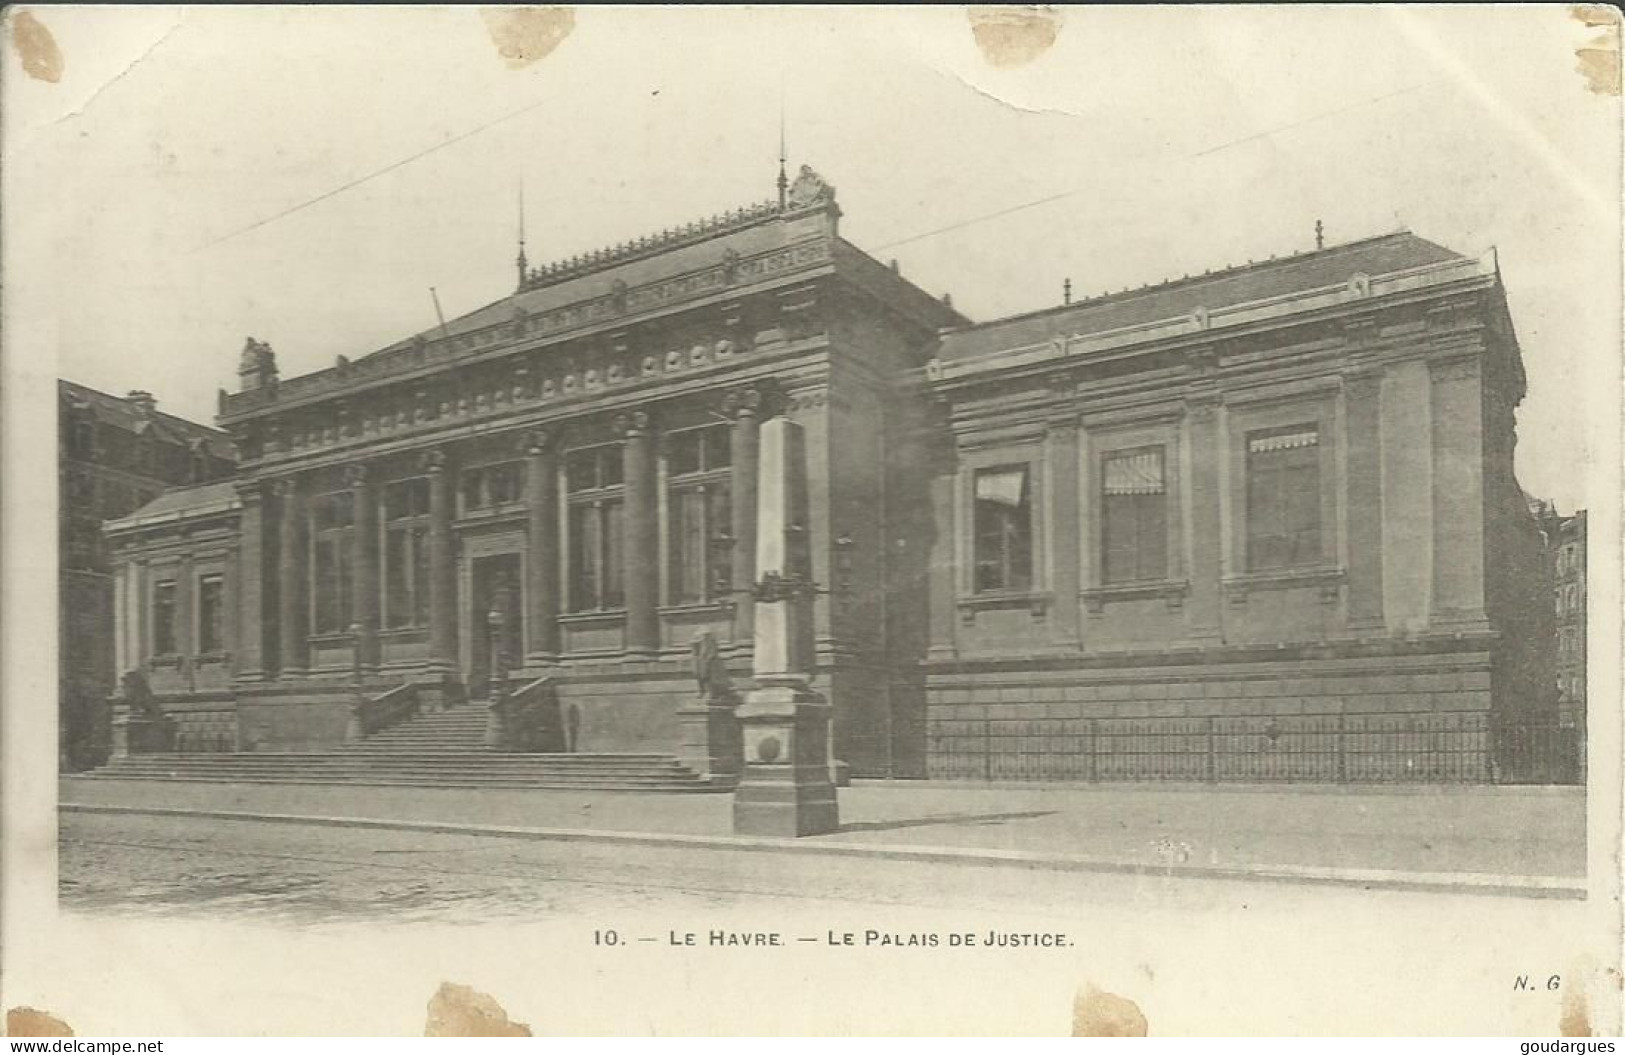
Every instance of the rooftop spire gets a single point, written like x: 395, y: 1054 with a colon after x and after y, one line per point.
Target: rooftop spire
x: 1320, y: 235
x: 524, y: 265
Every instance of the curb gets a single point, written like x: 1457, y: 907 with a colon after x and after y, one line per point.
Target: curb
x: 1370, y: 879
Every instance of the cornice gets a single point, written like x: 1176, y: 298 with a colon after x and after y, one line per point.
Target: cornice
x: 1352, y: 303
x: 617, y: 308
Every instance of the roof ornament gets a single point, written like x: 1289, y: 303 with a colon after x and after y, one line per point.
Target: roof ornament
x: 1066, y: 291
x: 1320, y: 235
x: 784, y: 181
x: 809, y: 189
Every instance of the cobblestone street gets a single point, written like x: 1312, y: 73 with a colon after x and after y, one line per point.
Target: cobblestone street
x: 524, y: 919
x: 203, y: 867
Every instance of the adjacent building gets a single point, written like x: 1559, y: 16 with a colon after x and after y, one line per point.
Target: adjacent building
x: 1259, y: 524
x: 115, y: 454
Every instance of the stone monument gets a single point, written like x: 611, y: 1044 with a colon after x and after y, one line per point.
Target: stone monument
x: 785, y: 788
x: 710, y: 743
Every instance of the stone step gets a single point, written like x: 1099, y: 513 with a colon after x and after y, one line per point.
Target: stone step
x: 539, y: 784
x: 431, y: 765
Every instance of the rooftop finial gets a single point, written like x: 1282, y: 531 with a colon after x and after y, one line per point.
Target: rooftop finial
x: 784, y: 180
x: 524, y: 265
x: 1320, y: 235
x: 1066, y: 292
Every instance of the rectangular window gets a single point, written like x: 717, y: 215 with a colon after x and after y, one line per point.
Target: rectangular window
x: 593, y: 468
x: 1283, y: 498
x: 595, y: 555
x: 593, y: 479
x: 406, y: 554
x: 1003, y: 529
x: 699, y: 513
x: 1134, y: 507
x: 211, y: 609
x: 493, y: 486
x: 332, y: 565
x: 163, y: 618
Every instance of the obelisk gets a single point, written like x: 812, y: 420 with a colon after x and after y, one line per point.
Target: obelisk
x: 785, y: 789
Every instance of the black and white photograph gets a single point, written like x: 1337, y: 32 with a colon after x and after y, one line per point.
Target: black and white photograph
x: 811, y: 521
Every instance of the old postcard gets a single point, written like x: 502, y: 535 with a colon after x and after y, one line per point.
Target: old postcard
x: 812, y: 521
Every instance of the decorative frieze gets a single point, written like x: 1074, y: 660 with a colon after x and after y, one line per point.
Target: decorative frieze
x: 612, y: 303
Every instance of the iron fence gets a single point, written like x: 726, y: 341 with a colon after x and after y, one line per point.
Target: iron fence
x: 1333, y: 748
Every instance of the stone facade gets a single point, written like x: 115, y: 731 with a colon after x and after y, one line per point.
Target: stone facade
x: 1254, y: 525
x: 115, y: 454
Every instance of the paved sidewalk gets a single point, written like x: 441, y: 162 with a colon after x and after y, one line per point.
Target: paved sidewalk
x: 1537, y: 833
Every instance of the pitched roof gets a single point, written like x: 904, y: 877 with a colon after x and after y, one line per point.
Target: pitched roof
x: 122, y: 413
x: 1317, y: 269
x: 177, y: 503
x: 667, y: 263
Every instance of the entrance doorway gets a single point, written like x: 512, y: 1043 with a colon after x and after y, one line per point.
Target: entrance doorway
x: 495, y: 589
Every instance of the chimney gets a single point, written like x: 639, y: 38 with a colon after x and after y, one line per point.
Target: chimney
x: 142, y: 401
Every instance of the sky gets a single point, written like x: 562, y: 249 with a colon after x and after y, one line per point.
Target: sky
x: 305, y: 175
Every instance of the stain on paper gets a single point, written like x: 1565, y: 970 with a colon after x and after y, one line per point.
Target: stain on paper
x: 41, y: 58
x: 1575, y: 1018
x: 1599, y: 56
x: 524, y: 34
x: 1096, y: 1013
x: 28, y: 1022
x: 461, y: 1011
x: 1012, y: 35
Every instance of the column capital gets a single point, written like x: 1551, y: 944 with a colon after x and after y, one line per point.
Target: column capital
x: 1201, y: 406
x: 742, y: 402
x: 1454, y: 365
x: 1202, y: 360
x: 633, y: 423
x: 432, y: 461
x: 761, y: 399
x: 251, y: 491
x: 283, y: 486
x: 356, y: 474
x: 538, y: 442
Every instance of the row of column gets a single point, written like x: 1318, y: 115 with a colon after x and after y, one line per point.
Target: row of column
x: 285, y: 646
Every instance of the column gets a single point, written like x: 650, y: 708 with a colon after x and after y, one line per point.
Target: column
x: 442, y: 570
x: 542, y: 589
x: 1061, y: 529
x: 1405, y: 411
x: 293, y: 578
x: 743, y: 408
x: 250, y: 637
x: 1458, y: 491
x: 1362, y: 409
x: 1207, y: 460
x: 364, y: 602
x: 640, y: 543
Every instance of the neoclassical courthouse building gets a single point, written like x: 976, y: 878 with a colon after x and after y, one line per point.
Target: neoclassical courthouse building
x: 1256, y: 524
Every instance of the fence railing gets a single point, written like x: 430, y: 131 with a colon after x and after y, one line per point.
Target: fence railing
x: 1334, y: 748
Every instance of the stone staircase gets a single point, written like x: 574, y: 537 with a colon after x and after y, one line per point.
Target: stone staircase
x: 438, y: 749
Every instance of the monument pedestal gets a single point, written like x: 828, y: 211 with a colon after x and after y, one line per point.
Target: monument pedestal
x: 710, y: 740
x: 137, y: 735
x: 785, y: 789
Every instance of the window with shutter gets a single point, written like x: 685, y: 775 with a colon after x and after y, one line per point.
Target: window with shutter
x: 1283, y: 498
x: 1134, y: 505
